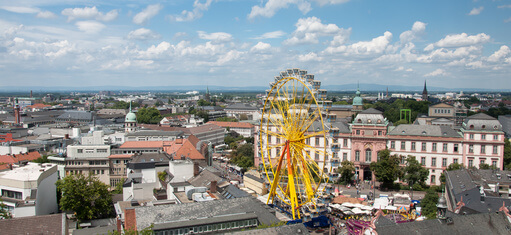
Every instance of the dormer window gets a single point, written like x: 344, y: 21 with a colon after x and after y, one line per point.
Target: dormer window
x: 369, y: 120
x: 484, y: 126
x: 379, y: 121
x: 359, y: 120
x: 471, y: 126
x: 424, y: 132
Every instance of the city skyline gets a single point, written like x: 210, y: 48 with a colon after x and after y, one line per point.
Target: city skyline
x: 454, y: 44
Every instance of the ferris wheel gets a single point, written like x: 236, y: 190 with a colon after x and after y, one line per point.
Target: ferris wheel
x: 290, y: 141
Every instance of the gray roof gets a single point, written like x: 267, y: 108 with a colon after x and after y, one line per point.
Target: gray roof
x: 232, y: 191
x: 242, y: 106
x: 485, y: 223
x: 424, y: 130
x: 482, y: 122
x: 505, y: 120
x: 177, y: 213
x: 76, y: 115
x: 279, y: 230
x: 154, y: 133
x: 204, y: 179
x: 342, y: 126
x: 370, y: 116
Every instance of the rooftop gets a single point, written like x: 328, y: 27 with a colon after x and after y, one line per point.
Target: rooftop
x: 30, y: 172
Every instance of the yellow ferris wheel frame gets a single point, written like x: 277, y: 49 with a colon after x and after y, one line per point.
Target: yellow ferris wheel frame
x: 292, y: 173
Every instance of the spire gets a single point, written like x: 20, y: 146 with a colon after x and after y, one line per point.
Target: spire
x: 130, y: 106
x: 425, y: 92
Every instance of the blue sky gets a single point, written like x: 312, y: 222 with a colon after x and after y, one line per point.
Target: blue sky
x: 453, y: 44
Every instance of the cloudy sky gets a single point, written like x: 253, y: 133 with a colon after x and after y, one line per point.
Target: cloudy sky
x: 247, y: 42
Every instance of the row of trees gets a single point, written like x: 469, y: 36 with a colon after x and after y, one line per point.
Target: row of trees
x: 387, y: 170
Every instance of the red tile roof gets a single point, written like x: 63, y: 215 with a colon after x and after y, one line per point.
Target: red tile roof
x: 232, y: 124
x: 142, y: 144
x: 182, y: 147
x: 38, y: 106
x: 15, y: 158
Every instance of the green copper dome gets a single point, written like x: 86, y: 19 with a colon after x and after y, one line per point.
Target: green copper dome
x: 131, y: 117
x: 357, y: 100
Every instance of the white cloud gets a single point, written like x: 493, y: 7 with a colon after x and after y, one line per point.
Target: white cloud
x: 504, y: 6
x: 476, y: 11
x: 401, y: 68
x: 437, y: 72
x: 196, y: 13
x: 155, y: 51
x: 143, y: 34
x: 90, y: 26
x: 219, y: 37
x: 443, y: 54
x: 461, y: 40
x: 376, y: 46
x: 311, y: 56
x: 89, y: 13
x: 46, y: 15
x: 309, y: 29
x: 260, y: 46
x: 146, y: 14
x: 272, y: 6
x: 274, y: 34
x: 22, y: 10
x: 500, y: 54
x: 410, y: 35
x: 507, y: 20
x: 331, y: 2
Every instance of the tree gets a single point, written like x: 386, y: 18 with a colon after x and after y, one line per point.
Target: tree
x: 42, y: 159
x: 347, y: 171
x: 149, y: 115
x: 88, y: 197
x: 414, y: 172
x: 484, y: 166
x: 243, y: 156
x: 387, y: 169
x: 4, y: 211
x: 428, y: 204
x: 507, y: 154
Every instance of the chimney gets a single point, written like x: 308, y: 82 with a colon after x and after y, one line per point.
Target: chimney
x: 130, y: 219
x: 66, y: 136
x: 195, y: 169
x: 212, y: 187
x: 30, y: 93
x: 119, y: 225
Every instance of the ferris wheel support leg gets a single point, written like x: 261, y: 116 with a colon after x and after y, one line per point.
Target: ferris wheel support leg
x: 291, y: 185
x: 275, y: 182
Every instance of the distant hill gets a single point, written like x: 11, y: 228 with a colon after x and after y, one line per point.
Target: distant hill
x: 346, y: 87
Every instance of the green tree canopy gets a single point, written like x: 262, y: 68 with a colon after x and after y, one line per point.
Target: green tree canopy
x: 428, y: 204
x: 4, y: 211
x: 243, y: 156
x: 507, y: 154
x: 347, y: 171
x: 414, y: 172
x: 149, y: 115
x: 387, y: 169
x: 88, y: 197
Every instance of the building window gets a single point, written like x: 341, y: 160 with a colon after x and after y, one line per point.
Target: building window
x: 494, y: 164
x: 403, y: 159
x: 380, y: 132
x: 423, y: 146
x: 434, y: 147
x: 470, y: 163
x: 495, y: 149
x: 481, y: 162
x: 495, y: 137
x: 483, y: 136
x: 413, y: 145
x: 11, y: 194
x: 423, y: 161
x: 471, y: 148
x: 471, y: 136
x: 483, y: 149
x: 368, y: 155
x: 433, y: 161
x: 433, y: 179
x: 344, y: 156
x: 79, y: 150
x: 444, y: 147
x: 102, y: 151
x: 316, y: 157
x: 403, y: 145
x: 317, y: 141
x: 278, y: 139
x: 444, y: 162
x: 308, y: 141
x: 455, y: 161
x: 357, y: 156
x: 345, y: 142
x: 455, y: 148
x: 358, y: 132
x: 392, y: 144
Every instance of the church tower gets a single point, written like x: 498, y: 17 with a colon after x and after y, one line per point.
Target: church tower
x: 130, y: 123
x: 357, y: 102
x: 425, y: 92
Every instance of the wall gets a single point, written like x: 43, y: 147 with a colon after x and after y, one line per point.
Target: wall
x: 46, y: 199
